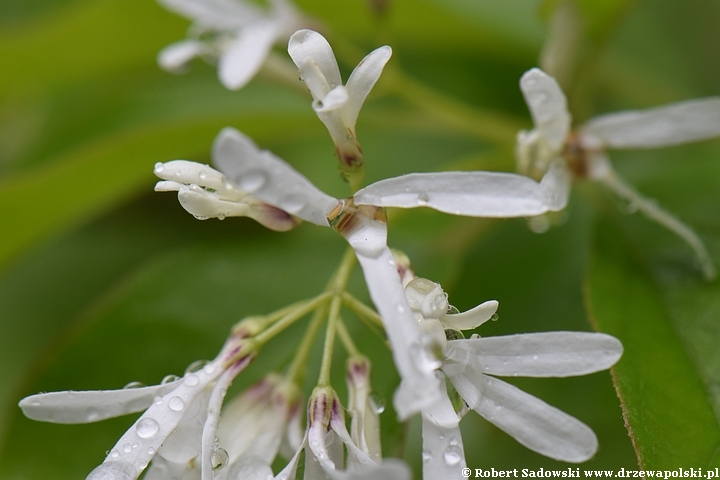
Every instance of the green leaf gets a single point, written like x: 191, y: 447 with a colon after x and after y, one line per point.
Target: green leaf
x: 665, y: 403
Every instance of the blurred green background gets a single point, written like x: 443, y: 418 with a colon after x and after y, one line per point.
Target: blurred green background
x: 104, y: 282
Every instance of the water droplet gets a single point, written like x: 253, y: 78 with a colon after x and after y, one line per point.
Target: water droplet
x: 400, y: 308
x: 391, y: 262
x: 216, y: 439
x: 538, y: 99
x: 452, y: 310
x: 147, y: 427
x: 159, y: 167
x: 423, y: 199
x: 426, y: 456
x: 474, y: 336
x: 377, y: 402
x: 452, y: 455
x: 315, y: 444
x: 157, y: 400
x: 209, y: 368
x: 219, y: 458
x: 441, y: 437
x: 202, y: 174
x: 151, y: 451
x: 252, y: 181
x: 134, y: 385
x: 494, y: 317
x: 134, y: 445
x: 169, y: 378
x: 454, y: 441
x: 196, y: 366
x: 451, y: 334
x: 114, y: 470
x: 200, y: 217
x: 535, y: 357
x: 114, y: 453
x: 176, y: 404
x: 192, y: 380
x: 178, y: 173
x: 292, y: 204
x: 127, y: 447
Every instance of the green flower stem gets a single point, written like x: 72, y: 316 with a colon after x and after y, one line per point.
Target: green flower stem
x: 296, y: 370
x: 362, y: 310
x: 291, y: 318
x: 346, y: 339
x: 333, y: 317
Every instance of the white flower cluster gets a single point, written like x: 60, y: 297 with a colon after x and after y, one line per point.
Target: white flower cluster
x: 180, y: 430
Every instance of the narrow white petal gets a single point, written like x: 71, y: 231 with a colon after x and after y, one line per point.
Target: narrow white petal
x: 362, y: 80
x: 216, y: 14
x: 91, y: 406
x: 140, y: 443
x: 672, y: 124
x: 244, y: 57
x: 474, y: 194
x: 548, y: 106
x: 204, y: 205
x: 473, y: 318
x: 168, y: 186
x: 184, y: 171
x: 443, y: 453
x: 269, y: 178
x: 175, y: 56
x: 213, y: 418
x: 532, y: 422
x: 548, y: 354
x: 318, y: 458
x: 356, y: 458
x: 289, y: 470
x: 413, y: 361
x: 307, y: 45
x: 556, y: 185
x: 335, y: 99
x: 314, y: 80
x: 441, y: 413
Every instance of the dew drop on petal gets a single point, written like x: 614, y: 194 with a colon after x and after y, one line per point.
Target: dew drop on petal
x: 159, y: 167
x: 209, y: 368
x: 169, y: 378
x: 426, y: 456
x: 134, y: 445
x: 219, y: 459
x: 451, y: 334
x: 202, y: 174
x: 157, y: 400
x: 151, y: 451
x: 452, y: 310
x: 134, y: 385
x: 114, y: 453
x: 535, y: 357
x: 454, y: 441
x: 377, y: 402
x: 176, y: 404
x: 538, y: 99
x: 196, y: 366
x: 292, y: 204
x: 127, y: 447
x: 400, y: 308
x: 452, y: 455
x: 423, y: 199
x: 114, y: 470
x: 252, y: 181
x: 494, y: 317
x: 192, y: 380
x: 441, y: 437
x: 147, y: 427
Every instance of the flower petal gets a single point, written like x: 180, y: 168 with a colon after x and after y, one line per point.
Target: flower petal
x: 413, y: 361
x: 244, y: 57
x: 307, y: 45
x: 91, y: 406
x: 532, y: 422
x: 443, y: 453
x: 361, y: 81
x: 474, y: 194
x: 204, y: 205
x: 216, y: 14
x: 473, y: 318
x: 336, y: 98
x: 176, y: 56
x: 672, y: 124
x: 556, y: 184
x: 269, y: 178
x: 547, y: 354
x: 548, y: 106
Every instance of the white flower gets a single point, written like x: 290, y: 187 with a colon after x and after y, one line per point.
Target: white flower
x: 361, y: 222
x: 237, y: 32
x: 205, y: 193
x: 468, y: 363
x: 582, y: 151
x: 365, y: 421
x: 336, y: 105
x: 178, y: 425
x: 323, y: 445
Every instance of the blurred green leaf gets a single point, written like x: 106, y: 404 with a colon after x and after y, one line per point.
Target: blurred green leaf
x: 665, y: 402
